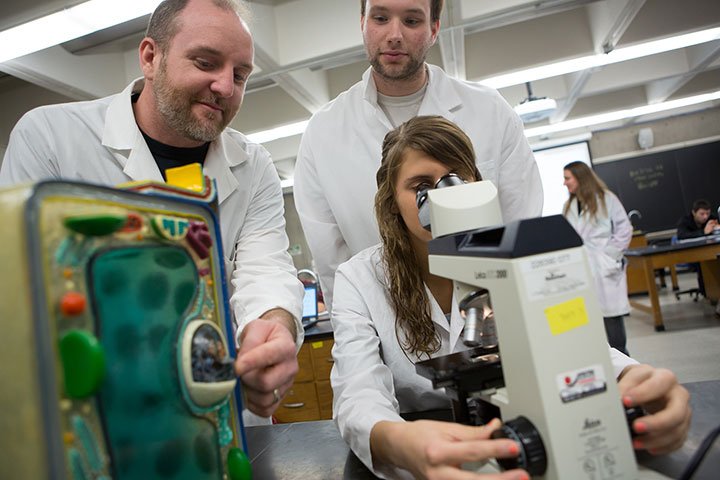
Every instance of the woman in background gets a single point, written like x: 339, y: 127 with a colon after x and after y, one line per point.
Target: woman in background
x: 600, y: 219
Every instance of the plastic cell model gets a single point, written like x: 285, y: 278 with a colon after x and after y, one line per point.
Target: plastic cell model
x: 115, y: 358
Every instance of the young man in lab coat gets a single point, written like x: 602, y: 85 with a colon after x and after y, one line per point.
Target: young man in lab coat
x: 340, y: 150
x: 195, y: 59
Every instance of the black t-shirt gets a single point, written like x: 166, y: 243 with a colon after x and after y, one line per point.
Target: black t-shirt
x: 167, y: 156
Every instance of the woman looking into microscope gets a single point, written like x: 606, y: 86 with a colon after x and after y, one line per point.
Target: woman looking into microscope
x: 390, y: 312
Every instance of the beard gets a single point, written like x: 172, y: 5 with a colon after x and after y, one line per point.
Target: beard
x: 412, y: 68
x: 175, y: 106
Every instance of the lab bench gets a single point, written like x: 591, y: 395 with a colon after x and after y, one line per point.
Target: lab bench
x: 315, y: 450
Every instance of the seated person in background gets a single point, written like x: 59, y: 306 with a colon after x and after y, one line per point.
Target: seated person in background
x: 698, y: 223
x: 390, y: 312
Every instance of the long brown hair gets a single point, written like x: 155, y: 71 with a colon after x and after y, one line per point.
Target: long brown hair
x: 447, y: 143
x: 590, y: 191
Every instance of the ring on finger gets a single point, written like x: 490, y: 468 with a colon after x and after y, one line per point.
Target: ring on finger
x: 276, y: 396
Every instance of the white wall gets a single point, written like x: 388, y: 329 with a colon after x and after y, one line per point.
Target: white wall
x: 667, y: 131
x: 17, y: 98
x: 303, y: 34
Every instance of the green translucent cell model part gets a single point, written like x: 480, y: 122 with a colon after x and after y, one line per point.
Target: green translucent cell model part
x: 141, y: 296
x: 83, y: 361
x: 238, y: 465
x: 95, y: 225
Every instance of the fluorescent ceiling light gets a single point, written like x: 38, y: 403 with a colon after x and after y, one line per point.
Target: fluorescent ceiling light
x: 559, y: 142
x: 621, y: 114
x: 559, y: 68
x: 279, y: 132
x: 299, y: 127
x: 601, y: 59
x: 69, y: 24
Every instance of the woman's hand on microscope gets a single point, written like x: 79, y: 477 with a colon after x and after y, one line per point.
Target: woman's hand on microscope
x: 667, y: 403
x: 436, y: 450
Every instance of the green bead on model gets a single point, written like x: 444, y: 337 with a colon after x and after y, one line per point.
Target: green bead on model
x: 238, y: 465
x: 83, y: 361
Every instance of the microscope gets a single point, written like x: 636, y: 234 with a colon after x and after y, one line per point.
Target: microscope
x: 537, y: 354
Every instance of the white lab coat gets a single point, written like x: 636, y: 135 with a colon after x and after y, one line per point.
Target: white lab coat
x: 372, y: 379
x: 606, y: 238
x: 340, y: 153
x: 99, y: 142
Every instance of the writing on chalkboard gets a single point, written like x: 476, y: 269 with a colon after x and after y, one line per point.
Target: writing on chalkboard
x: 688, y: 173
x: 647, y: 177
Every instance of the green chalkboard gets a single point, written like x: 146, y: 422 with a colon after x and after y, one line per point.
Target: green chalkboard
x: 662, y: 186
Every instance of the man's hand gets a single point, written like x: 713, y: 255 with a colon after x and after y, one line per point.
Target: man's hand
x: 710, y: 226
x: 266, y: 361
x: 434, y: 450
x: 656, y: 389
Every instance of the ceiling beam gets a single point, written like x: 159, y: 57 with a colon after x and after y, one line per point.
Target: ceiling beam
x: 452, y: 49
x: 80, y: 77
x: 328, y: 60
x: 495, y: 19
x: 699, y: 58
x: 308, y: 88
x: 578, y: 80
x: 475, y: 21
x: 452, y: 42
x: 609, y: 20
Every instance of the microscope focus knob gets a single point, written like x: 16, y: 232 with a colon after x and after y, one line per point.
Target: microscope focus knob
x: 632, y: 414
x: 532, y: 457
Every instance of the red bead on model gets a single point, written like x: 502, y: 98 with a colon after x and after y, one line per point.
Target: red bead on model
x: 72, y: 303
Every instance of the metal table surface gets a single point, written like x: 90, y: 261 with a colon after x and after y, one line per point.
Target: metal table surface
x: 322, y: 328
x: 684, y: 244
x: 314, y: 450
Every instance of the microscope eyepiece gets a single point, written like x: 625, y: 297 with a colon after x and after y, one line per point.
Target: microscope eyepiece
x: 421, y: 197
x: 449, y: 180
x: 423, y: 209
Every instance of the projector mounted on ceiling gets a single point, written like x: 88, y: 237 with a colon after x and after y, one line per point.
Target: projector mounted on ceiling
x: 534, y: 109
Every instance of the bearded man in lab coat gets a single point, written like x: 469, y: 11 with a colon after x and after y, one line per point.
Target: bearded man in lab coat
x: 195, y: 59
x: 341, y: 147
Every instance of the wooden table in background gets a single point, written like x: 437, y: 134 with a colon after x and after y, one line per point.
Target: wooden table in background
x: 636, y: 273
x: 704, y: 250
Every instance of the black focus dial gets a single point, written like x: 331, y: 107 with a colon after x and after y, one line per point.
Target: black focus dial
x: 532, y: 457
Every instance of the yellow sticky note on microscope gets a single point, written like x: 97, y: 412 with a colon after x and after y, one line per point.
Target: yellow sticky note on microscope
x: 566, y: 316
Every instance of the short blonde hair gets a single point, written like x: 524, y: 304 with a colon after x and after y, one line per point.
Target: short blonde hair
x: 163, y: 24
